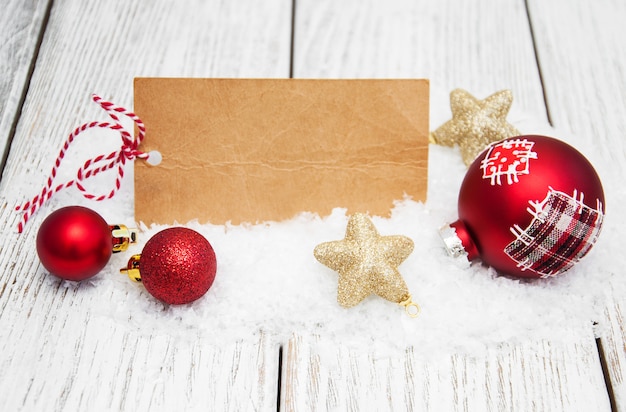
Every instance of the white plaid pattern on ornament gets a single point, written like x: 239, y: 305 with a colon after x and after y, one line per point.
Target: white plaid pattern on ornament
x: 562, y: 231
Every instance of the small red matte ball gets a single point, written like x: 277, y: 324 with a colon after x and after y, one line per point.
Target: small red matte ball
x: 178, y: 265
x: 74, y: 243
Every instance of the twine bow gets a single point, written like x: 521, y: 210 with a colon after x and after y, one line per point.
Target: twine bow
x: 128, y: 151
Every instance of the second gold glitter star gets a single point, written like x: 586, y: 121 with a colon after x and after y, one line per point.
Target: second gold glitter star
x: 475, y: 123
x: 368, y: 263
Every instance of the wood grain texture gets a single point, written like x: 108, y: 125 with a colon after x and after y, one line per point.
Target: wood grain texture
x: 104, y: 366
x: 580, y: 52
x: 580, y: 46
x: 21, y: 24
x: 483, y: 47
x: 531, y: 376
x: 613, y: 338
x: 57, y: 350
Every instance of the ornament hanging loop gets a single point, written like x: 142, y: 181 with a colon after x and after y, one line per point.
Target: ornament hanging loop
x: 132, y: 268
x: 122, y: 237
x: 411, y: 308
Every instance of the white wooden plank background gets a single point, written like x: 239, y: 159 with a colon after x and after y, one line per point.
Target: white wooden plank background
x: 21, y: 23
x: 47, y: 333
x: 100, y: 46
x: 482, y: 46
x: 583, y: 63
x: 534, y: 376
x: 444, y: 43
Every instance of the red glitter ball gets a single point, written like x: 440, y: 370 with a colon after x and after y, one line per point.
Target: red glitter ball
x: 177, y: 265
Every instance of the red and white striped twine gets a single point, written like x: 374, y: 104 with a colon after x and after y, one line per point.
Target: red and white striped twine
x: 101, y: 163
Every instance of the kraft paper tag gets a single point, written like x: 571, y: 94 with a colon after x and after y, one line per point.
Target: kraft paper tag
x: 253, y: 150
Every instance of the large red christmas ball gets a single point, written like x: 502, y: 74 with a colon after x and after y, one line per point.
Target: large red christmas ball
x: 177, y: 265
x: 529, y: 206
x: 74, y: 243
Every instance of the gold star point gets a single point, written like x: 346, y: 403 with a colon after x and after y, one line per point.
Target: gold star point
x: 367, y: 263
x: 475, y: 124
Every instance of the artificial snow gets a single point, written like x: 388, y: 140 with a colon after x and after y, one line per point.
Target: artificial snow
x: 268, y: 280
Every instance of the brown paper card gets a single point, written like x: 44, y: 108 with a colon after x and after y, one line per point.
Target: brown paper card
x: 253, y: 150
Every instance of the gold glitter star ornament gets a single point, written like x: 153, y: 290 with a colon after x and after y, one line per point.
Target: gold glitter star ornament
x: 475, y: 124
x: 368, y: 263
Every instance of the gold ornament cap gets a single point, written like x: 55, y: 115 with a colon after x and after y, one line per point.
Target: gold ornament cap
x: 122, y: 237
x: 132, y: 268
